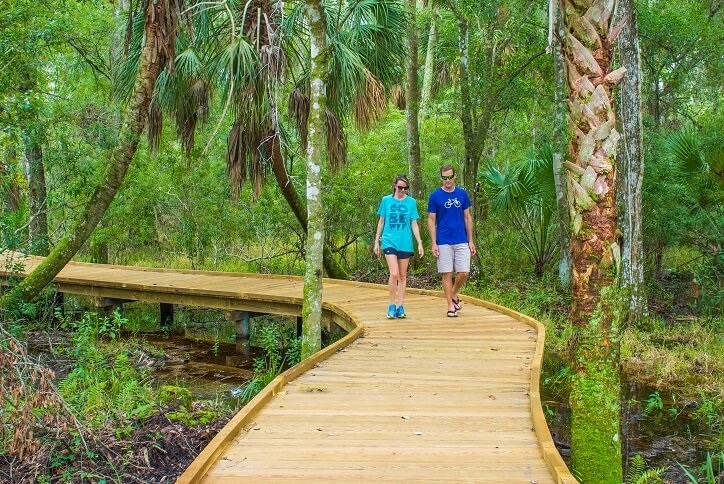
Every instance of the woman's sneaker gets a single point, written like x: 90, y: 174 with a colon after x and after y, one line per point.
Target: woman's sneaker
x: 400, y: 313
x: 391, y: 312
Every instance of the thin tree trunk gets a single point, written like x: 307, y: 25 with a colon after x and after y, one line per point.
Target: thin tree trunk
x: 37, y: 197
x: 630, y: 160
x: 10, y: 187
x: 465, y: 102
x: 480, y: 136
x: 427, y: 79
x: 656, y: 105
x: 296, y: 203
x: 560, y: 140
x: 597, y: 302
x: 316, y: 154
x: 412, y: 103
x: 151, y: 63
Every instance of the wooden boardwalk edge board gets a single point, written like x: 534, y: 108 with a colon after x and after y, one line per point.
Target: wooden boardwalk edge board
x: 355, y: 328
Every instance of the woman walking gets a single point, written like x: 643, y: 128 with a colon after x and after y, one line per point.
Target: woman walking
x: 395, y: 228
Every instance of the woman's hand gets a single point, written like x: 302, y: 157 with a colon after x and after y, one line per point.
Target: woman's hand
x: 420, y: 250
x: 376, y: 248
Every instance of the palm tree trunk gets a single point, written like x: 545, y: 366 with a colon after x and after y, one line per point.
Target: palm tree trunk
x: 295, y: 202
x: 37, y: 197
x: 560, y: 139
x: 597, y: 302
x: 630, y: 160
x: 151, y: 63
x: 429, y: 63
x: 412, y: 103
x: 316, y: 154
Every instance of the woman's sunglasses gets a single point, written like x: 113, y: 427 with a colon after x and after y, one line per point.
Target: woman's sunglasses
x: 402, y: 188
x: 447, y: 177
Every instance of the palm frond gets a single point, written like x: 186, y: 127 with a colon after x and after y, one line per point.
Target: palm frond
x: 336, y: 142
x: 370, y: 103
x: 125, y: 65
x: 299, y: 111
x: 685, y: 150
x: 398, y: 96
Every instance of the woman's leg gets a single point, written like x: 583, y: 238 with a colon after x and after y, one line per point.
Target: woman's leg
x: 403, y: 264
x: 394, y: 275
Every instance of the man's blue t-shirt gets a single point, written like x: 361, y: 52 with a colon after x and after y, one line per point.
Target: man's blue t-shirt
x: 449, y: 208
x: 398, y: 214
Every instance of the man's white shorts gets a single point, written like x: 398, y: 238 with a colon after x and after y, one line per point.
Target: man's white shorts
x: 454, y: 257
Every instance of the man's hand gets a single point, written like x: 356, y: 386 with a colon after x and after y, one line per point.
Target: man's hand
x: 473, y: 250
x: 435, y: 250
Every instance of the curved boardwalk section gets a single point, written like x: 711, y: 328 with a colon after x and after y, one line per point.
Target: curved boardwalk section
x: 424, y: 398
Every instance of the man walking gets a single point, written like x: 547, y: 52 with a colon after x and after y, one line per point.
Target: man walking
x: 451, y: 230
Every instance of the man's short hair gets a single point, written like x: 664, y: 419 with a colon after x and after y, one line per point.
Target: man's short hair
x: 444, y: 168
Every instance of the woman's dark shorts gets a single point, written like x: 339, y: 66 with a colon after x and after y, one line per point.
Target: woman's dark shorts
x: 399, y: 253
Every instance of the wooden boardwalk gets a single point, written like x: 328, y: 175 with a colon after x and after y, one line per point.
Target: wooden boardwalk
x: 427, y: 398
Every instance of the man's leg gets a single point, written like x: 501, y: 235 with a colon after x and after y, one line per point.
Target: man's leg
x: 447, y: 288
x: 462, y: 266
x: 445, y: 264
x: 460, y: 279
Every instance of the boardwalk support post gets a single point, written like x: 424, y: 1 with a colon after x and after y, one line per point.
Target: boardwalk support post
x: 166, y: 310
x: 107, y: 305
x: 241, y: 321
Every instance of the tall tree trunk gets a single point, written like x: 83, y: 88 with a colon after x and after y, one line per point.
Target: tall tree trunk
x: 9, y: 187
x: 560, y: 140
x: 159, y: 22
x: 412, y: 102
x: 429, y: 63
x: 479, y: 137
x: 597, y: 307
x: 465, y: 102
x: 466, y: 118
x: 273, y: 148
x: 630, y: 160
x: 316, y: 154
x: 37, y: 196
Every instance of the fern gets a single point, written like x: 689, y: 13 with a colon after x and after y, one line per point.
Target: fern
x: 638, y: 474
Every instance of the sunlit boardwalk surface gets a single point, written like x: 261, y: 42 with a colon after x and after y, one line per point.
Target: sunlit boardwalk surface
x: 427, y: 398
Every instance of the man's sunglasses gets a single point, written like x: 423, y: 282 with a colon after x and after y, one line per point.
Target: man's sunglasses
x: 402, y: 188
x: 447, y: 177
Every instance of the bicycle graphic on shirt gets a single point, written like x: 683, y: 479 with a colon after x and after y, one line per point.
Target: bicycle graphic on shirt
x: 452, y: 201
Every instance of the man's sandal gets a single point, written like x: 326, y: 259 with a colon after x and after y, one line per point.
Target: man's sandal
x: 456, y: 303
x: 452, y: 314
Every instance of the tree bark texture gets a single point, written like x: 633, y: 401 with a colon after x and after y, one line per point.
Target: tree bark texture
x: 273, y: 147
x: 153, y: 57
x: 465, y: 101
x: 412, y: 103
x: 9, y: 186
x: 312, y: 304
x: 630, y: 160
x: 596, y: 310
x: 560, y: 140
x: 37, y: 198
x: 428, y: 77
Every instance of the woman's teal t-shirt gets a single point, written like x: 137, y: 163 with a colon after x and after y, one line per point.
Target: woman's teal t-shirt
x: 398, y: 216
